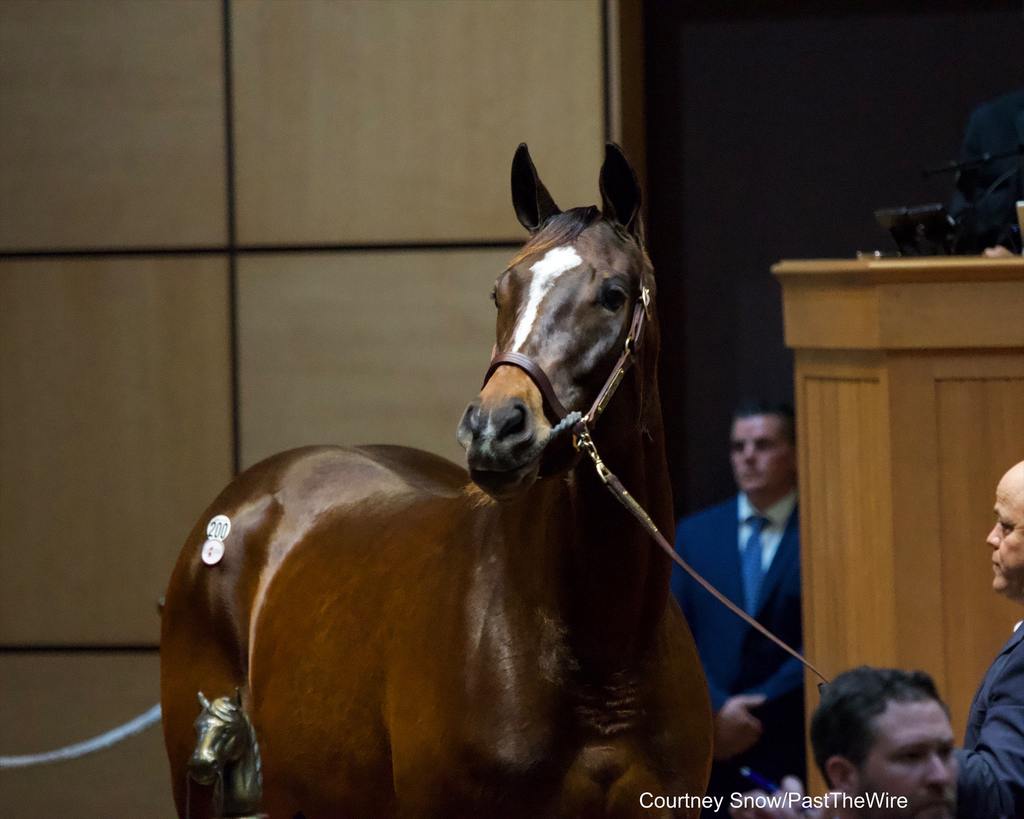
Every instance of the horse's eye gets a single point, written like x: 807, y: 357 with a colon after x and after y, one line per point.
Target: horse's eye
x: 494, y: 295
x: 612, y: 297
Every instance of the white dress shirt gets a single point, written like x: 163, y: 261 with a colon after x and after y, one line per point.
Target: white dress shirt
x: 771, y: 535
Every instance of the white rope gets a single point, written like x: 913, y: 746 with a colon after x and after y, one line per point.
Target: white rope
x: 566, y: 423
x: 89, y: 746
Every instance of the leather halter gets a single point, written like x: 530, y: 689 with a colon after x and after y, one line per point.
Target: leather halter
x: 641, y: 312
x: 537, y: 376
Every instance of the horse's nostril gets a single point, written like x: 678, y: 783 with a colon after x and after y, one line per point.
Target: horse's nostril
x: 511, y: 420
x: 471, y: 423
x: 470, y: 426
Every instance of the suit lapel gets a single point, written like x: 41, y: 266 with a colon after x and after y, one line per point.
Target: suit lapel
x: 730, y: 576
x: 1014, y: 639
x: 996, y: 665
x: 784, y: 556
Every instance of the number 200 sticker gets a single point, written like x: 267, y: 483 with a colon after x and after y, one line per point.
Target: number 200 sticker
x: 216, y: 531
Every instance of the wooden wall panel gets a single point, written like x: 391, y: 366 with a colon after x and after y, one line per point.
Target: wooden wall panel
x: 972, y: 458
x: 916, y: 525
x: 627, y: 97
x: 916, y: 315
x: 352, y: 348
x: 396, y: 122
x: 113, y: 124
x: 847, y: 559
x: 53, y: 700
x: 115, y: 429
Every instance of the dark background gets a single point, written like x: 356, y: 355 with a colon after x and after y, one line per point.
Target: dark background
x: 773, y: 132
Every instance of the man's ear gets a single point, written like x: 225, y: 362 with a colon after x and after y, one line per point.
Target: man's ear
x: 842, y: 775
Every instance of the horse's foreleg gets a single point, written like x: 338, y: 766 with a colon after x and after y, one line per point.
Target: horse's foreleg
x: 604, y: 783
x: 633, y: 794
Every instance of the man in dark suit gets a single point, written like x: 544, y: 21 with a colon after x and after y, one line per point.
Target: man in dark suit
x: 749, y: 548
x: 987, y: 190
x: 991, y: 781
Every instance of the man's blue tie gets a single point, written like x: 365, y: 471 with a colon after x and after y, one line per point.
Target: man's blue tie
x: 750, y: 564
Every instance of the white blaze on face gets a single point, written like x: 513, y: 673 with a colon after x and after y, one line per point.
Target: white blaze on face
x: 545, y: 273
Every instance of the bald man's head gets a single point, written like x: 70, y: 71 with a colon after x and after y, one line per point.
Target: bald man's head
x: 1012, y: 483
x: 1007, y: 536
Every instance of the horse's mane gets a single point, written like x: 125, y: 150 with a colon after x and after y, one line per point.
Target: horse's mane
x: 560, y: 229
x: 224, y: 709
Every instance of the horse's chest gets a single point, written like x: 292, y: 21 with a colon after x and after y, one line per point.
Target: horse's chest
x: 557, y: 744
x: 515, y: 673
x: 526, y: 706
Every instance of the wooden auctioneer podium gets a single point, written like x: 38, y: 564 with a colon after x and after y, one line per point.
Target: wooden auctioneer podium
x: 910, y: 406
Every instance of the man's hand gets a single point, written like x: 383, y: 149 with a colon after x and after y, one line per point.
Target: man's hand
x: 736, y: 729
x: 998, y: 252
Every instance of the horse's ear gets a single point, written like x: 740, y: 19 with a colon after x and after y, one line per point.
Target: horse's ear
x: 531, y: 200
x: 620, y: 191
x: 205, y: 703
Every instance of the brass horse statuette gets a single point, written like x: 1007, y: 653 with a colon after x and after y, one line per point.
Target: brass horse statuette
x: 228, y: 757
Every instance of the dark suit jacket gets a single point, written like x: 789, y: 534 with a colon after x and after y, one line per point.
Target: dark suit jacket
x: 991, y: 780
x: 736, y: 659
x: 985, y: 198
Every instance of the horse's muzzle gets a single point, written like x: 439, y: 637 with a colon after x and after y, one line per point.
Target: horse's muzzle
x: 502, y: 445
x: 202, y: 769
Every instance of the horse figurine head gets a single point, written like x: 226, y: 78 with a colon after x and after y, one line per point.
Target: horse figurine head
x: 226, y: 755
x: 566, y: 306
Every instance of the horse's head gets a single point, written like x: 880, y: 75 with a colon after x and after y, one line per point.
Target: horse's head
x: 565, y: 306
x: 221, y: 735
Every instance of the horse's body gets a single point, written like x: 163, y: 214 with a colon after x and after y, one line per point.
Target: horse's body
x: 410, y: 647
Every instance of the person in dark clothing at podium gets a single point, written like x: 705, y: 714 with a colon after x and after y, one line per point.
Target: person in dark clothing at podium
x: 992, y: 179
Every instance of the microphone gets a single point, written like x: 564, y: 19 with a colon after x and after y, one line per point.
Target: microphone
x: 972, y: 164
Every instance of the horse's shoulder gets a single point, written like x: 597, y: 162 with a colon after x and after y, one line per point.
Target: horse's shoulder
x: 315, y: 479
x: 371, y: 467
x: 423, y: 469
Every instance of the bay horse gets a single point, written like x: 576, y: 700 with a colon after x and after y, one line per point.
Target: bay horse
x: 412, y: 640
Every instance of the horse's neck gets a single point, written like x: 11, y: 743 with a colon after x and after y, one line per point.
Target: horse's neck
x: 622, y: 576
x: 608, y: 577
